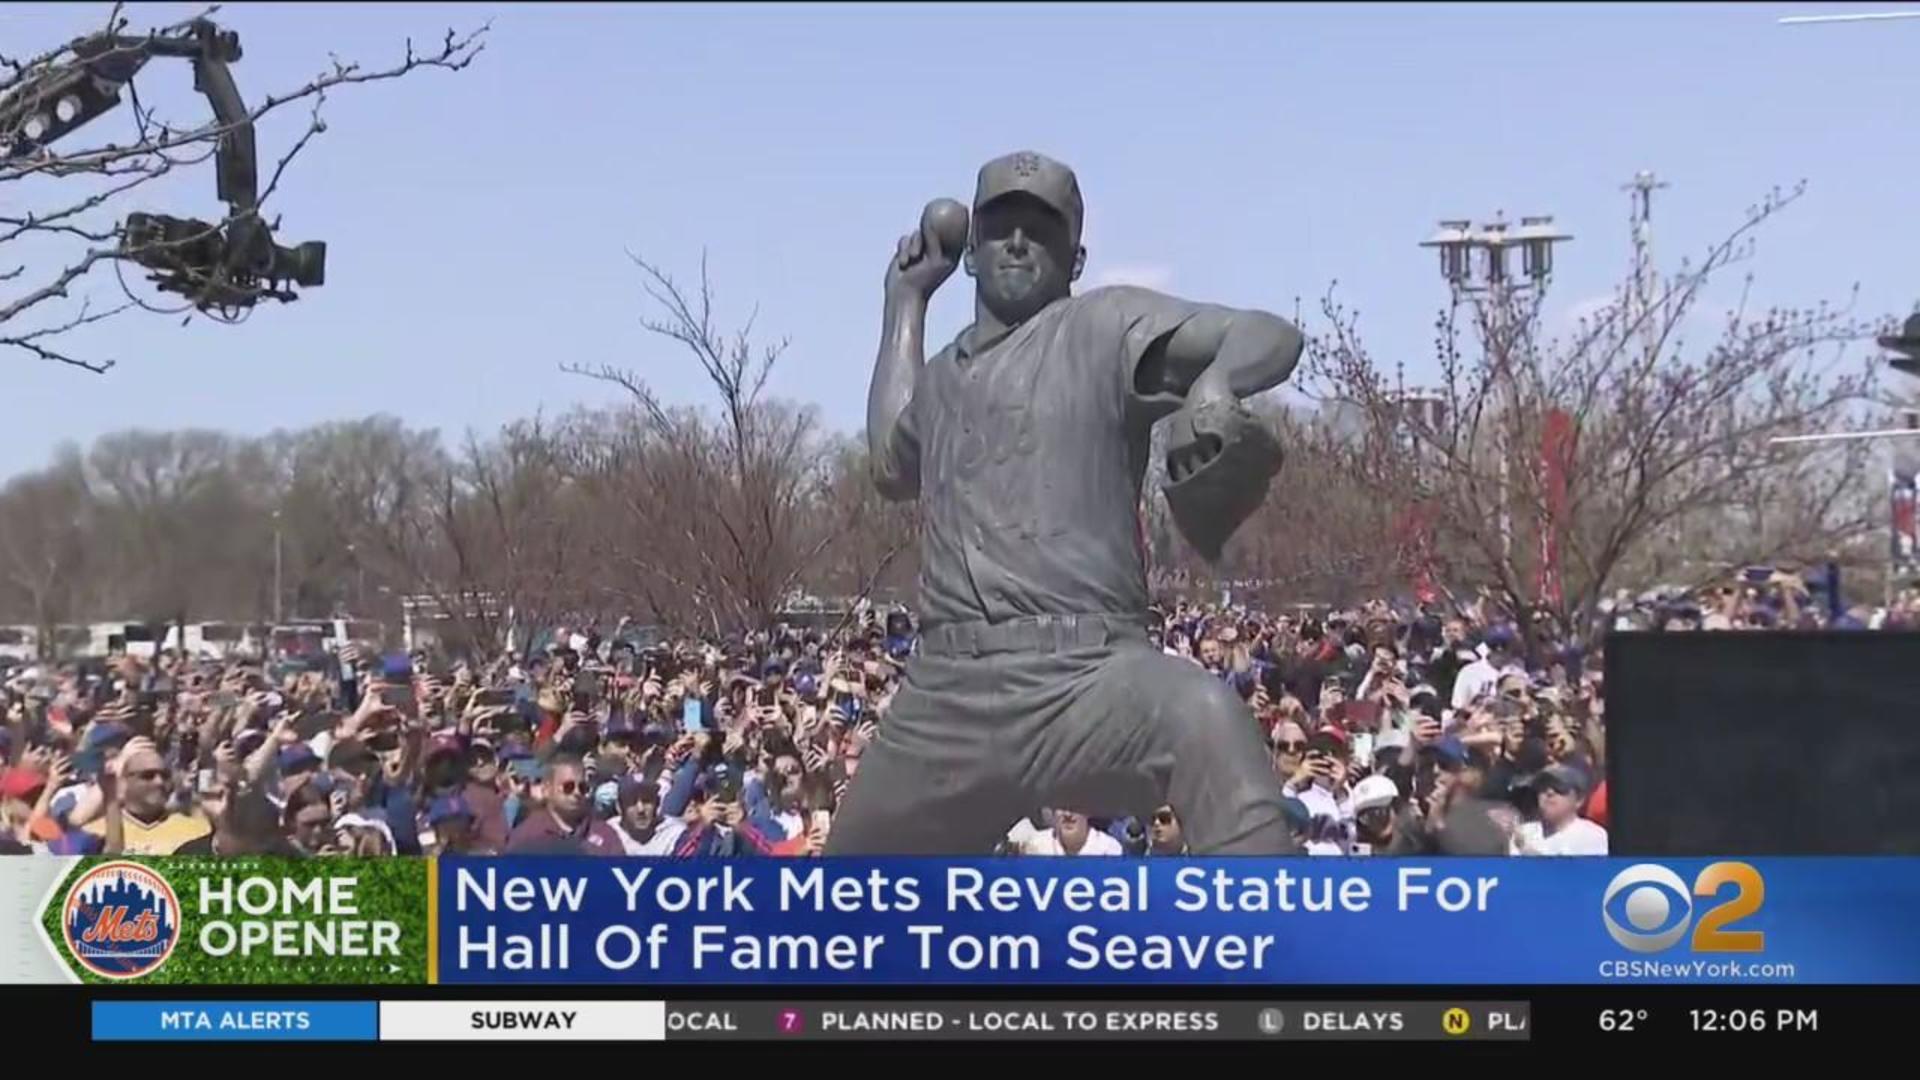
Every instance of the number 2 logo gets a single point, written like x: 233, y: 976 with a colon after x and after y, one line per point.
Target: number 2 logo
x: 1648, y: 908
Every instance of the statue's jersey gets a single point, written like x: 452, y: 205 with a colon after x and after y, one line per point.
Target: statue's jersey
x: 1030, y: 452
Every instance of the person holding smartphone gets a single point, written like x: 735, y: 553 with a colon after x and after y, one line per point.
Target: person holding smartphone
x: 707, y: 787
x: 1321, y: 785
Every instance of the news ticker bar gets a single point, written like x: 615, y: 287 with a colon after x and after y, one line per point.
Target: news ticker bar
x: 658, y: 1021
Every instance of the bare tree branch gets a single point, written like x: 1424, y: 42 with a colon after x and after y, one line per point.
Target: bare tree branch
x: 1669, y: 446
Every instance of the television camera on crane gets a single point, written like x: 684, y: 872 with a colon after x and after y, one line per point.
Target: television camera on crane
x: 228, y: 265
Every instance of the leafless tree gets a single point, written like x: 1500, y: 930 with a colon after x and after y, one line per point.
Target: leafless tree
x: 1658, y: 443
x: 719, y: 508
x: 60, y: 214
x: 45, y: 528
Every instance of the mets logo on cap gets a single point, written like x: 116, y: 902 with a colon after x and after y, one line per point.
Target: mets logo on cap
x: 121, y: 920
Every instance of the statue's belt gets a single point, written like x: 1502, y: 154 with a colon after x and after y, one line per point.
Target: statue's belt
x: 1039, y: 633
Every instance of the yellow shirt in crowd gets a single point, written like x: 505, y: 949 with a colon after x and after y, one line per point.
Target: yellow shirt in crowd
x: 163, y: 837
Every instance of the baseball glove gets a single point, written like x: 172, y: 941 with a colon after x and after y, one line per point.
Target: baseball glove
x: 1238, y: 457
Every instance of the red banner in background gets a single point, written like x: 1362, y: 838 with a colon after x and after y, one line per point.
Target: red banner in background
x: 1904, y: 551
x: 1556, y: 458
x: 1413, y: 535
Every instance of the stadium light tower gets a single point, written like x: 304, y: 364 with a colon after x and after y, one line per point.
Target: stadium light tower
x: 1463, y: 251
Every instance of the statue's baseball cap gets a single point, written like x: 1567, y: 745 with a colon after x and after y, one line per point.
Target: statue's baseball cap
x: 1037, y: 175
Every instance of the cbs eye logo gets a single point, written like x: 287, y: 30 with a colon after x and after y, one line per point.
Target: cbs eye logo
x: 1648, y: 908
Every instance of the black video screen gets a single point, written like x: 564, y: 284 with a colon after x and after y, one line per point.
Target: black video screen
x: 1764, y: 743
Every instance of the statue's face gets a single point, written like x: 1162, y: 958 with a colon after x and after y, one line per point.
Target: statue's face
x: 1023, y: 257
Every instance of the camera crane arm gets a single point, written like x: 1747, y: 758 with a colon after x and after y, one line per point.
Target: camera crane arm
x: 225, y: 265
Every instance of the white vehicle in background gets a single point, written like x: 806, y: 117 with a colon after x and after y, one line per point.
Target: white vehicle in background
x: 311, y: 640
x: 217, y: 640
x: 138, y: 640
x: 19, y: 643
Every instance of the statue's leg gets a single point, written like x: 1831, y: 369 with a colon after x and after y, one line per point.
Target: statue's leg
x: 1147, y: 726
x: 931, y: 783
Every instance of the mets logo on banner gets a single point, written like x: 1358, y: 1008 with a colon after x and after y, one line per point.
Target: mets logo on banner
x: 1649, y: 908
x: 121, y: 920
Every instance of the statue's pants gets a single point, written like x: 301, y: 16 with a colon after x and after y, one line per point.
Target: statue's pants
x: 1082, y: 713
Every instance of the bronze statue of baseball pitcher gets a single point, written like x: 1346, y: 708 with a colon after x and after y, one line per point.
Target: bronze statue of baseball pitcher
x: 1026, y: 441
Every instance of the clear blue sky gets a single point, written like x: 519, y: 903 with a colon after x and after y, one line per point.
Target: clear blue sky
x: 478, y: 222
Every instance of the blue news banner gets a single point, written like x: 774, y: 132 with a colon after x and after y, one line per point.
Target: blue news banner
x: 1178, y: 921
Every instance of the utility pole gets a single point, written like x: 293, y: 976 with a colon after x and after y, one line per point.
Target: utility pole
x: 1645, y: 275
x: 277, y: 590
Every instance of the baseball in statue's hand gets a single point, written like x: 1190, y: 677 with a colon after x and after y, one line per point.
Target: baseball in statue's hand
x: 946, y: 221
x: 928, y: 255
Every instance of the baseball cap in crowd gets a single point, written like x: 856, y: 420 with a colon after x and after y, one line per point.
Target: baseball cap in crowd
x: 1037, y: 175
x: 1562, y: 778
x: 21, y: 783
x: 1499, y: 636
x: 352, y: 755
x: 1394, y: 739
x: 1374, y: 792
x: 365, y: 821
x: 299, y: 756
x: 1328, y: 740
x: 448, y: 806
x: 1450, y: 752
x: 445, y: 744
x: 631, y: 788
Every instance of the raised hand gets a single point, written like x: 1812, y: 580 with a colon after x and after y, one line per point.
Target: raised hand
x: 226, y: 761
x: 926, y: 257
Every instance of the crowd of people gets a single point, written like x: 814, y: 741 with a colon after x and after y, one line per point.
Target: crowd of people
x: 1392, y: 732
